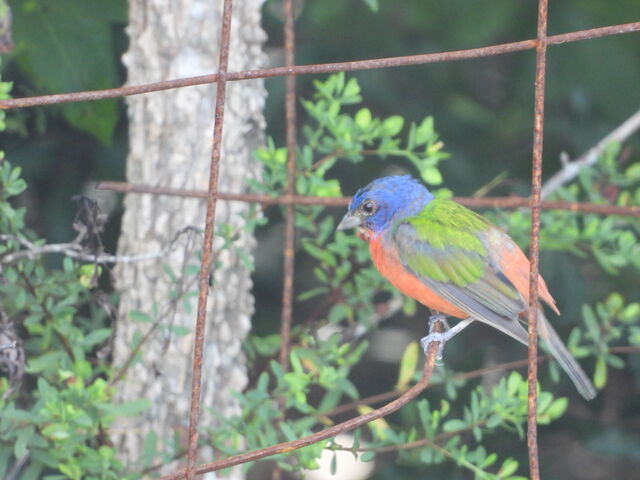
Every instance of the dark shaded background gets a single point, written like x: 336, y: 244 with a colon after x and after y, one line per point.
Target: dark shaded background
x: 483, y: 111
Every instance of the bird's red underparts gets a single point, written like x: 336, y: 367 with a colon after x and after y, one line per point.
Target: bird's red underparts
x: 513, y: 263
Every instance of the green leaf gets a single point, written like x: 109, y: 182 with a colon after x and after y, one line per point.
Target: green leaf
x: 558, y: 407
x: 46, y: 362
x: 139, y: 316
x: 392, y: 125
x: 408, y: 365
x: 180, y: 331
x: 87, y: 274
x: 71, y: 470
x: 56, y: 431
x: 372, y: 4
x: 22, y: 440
x: 431, y: 175
x: 130, y: 408
x: 615, y: 361
x: 633, y: 172
x: 314, y: 292
x: 351, y: 93
x: 630, y: 313
x: 493, y: 421
x: 508, y: 467
x: 409, y: 306
x: 319, y: 253
x: 356, y: 439
x: 295, y: 362
x: 96, y: 118
x: 339, y: 312
x: 68, y: 264
x: 424, y: 132
x: 267, y: 345
x: 454, y: 425
x: 69, y: 46
x: 5, y: 454
x: 20, y: 299
x: 600, y: 374
x: 363, y: 118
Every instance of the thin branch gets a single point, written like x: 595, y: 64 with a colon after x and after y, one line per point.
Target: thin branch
x: 63, y: 340
x: 77, y: 251
x: 168, y: 311
x: 571, y: 169
x: 413, y: 444
x: 8, y: 346
x: 461, y: 460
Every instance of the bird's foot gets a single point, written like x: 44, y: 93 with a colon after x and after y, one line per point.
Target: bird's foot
x: 438, y: 317
x: 441, y: 337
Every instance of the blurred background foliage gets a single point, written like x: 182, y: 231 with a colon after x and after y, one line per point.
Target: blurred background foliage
x: 483, y: 113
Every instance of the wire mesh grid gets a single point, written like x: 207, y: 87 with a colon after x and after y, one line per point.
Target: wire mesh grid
x: 540, y: 44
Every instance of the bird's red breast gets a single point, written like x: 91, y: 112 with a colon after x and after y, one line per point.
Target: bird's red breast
x: 512, y: 261
x: 388, y: 264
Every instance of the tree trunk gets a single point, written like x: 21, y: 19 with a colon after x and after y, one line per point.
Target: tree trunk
x: 170, y: 145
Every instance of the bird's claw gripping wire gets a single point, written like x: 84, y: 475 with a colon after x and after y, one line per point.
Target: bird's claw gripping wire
x: 441, y: 337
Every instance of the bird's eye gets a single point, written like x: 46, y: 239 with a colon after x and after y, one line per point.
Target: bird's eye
x: 369, y: 207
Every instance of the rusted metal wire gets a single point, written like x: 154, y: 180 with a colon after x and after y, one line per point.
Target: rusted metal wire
x: 534, y: 249
x: 316, y: 69
x: 472, y: 202
x: 519, y: 202
x: 289, y: 228
x: 288, y: 250
x: 207, y: 249
x: 346, y: 426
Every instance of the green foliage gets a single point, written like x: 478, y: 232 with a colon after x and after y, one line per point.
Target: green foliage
x: 315, y: 365
x: 54, y: 418
x: 336, y: 135
x: 612, y: 240
x: 607, y: 324
x: 67, y: 46
x: 59, y: 425
x: 372, y: 4
x: 440, y: 434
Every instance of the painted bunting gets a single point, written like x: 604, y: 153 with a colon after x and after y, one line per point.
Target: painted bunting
x: 454, y: 261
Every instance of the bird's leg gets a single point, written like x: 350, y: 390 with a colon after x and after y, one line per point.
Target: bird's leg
x: 438, y: 317
x: 442, y: 337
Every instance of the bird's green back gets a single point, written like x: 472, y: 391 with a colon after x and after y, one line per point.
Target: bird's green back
x: 442, y: 243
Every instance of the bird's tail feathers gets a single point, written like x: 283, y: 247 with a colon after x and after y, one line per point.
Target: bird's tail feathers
x: 564, y: 358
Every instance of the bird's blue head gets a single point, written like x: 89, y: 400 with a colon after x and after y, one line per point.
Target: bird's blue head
x: 376, y: 206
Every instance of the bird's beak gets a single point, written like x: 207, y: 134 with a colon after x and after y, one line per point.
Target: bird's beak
x: 348, y: 221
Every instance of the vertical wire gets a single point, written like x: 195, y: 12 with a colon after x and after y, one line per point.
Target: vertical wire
x: 536, y: 188
x: 207, y: 249
x: 289, y: 232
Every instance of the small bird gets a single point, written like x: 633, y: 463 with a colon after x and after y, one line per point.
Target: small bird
x: 454, y: 261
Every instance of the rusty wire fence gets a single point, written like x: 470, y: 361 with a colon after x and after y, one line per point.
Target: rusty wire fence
x: 290, y: 70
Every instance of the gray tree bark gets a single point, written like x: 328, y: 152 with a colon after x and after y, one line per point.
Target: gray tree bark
x: 170, y: 145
